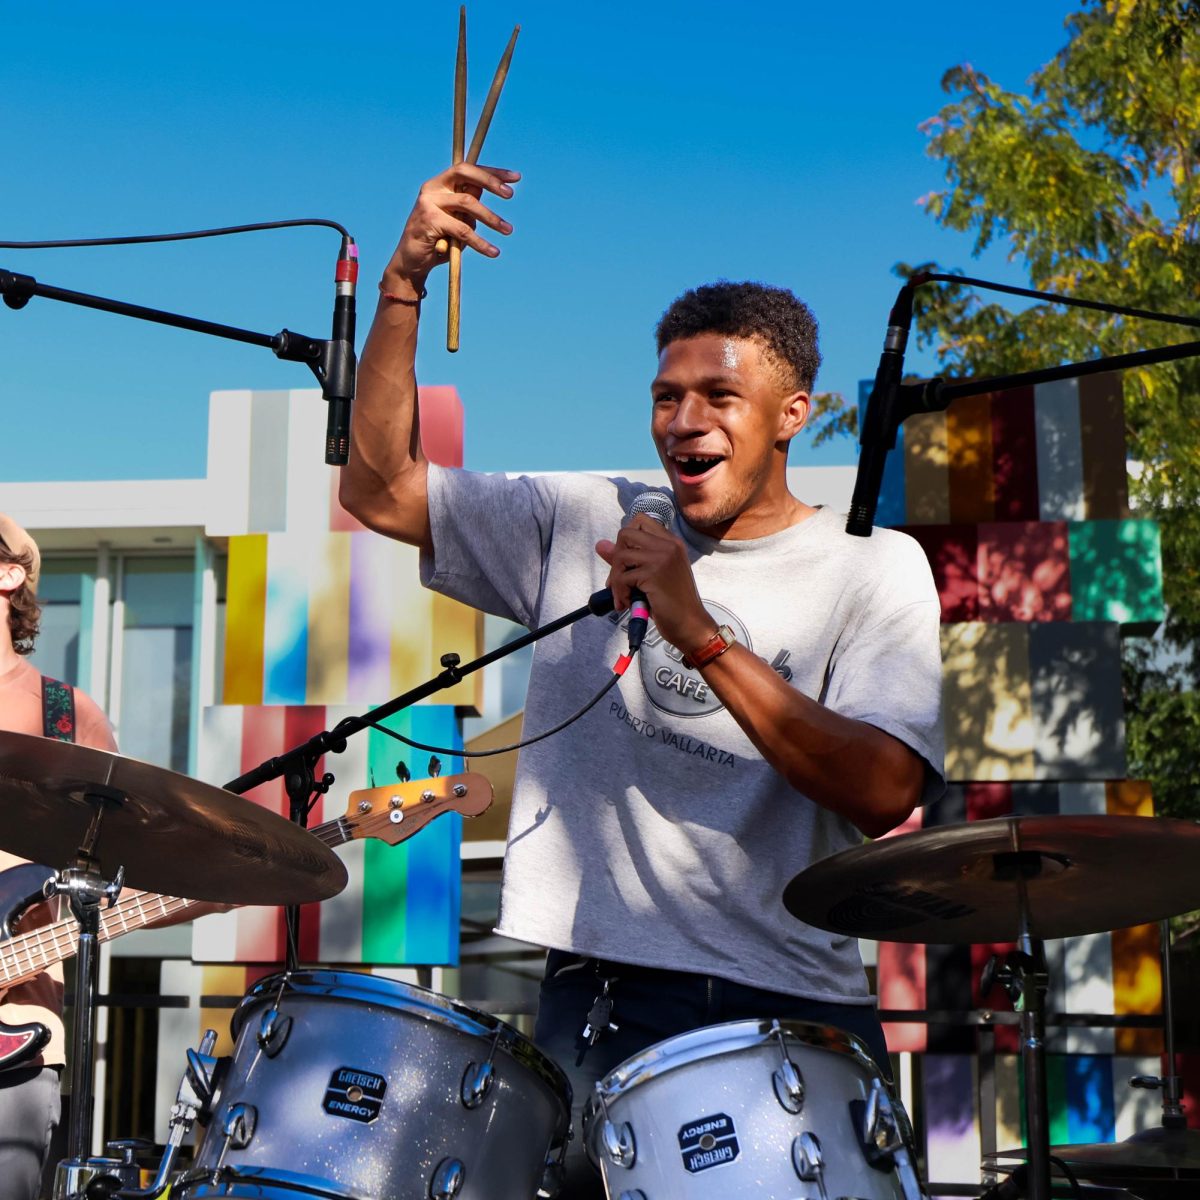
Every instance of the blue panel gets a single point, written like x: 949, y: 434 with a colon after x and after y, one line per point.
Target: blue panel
x: 891, y: 510
x: 1090, y: 1113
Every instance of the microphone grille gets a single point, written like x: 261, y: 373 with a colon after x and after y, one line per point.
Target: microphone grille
x: 656, y: 505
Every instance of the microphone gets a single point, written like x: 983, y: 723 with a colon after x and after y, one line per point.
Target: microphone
x: 661, y: 508
x: 340, y: 362
x: 882, y: 417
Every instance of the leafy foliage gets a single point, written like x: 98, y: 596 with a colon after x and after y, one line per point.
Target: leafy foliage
x: 1091, y: 178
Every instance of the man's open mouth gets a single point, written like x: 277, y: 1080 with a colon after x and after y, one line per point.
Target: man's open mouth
x: 693, y: 468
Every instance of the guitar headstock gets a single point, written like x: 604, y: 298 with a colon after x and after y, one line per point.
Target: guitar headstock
x: 396, y: 812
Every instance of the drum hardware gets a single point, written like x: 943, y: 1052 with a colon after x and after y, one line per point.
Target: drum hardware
x: 886, y: 1137
x: 617, y: 1140
x: 346, y: 1108
x: 193, y: 1100
x: 273, y: 1031
x: 695, y: 1116
x: 1022, y: 879
x: 809, y: 1161
x: 786, y: 1078
x: 239, y: 1125
x: 477, y: 1079
x: 447, y: 1180
x: 555, y: 1170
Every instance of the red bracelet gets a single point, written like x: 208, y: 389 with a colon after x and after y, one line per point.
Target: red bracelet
x: 403, y: 299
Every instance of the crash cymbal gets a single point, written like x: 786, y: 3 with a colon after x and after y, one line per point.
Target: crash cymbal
x: 963, y: 883
x: 1154, y: 1154
x: 171, y: 833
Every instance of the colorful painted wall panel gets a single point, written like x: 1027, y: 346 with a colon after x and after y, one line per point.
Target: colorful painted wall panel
x: 338, y: 618
x: 1024, y: 571
x: 265, y: 455
x: 401, y: 905
x: 1116, y: 572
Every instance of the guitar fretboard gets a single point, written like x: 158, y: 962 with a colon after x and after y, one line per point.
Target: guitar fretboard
x: 29, y: 954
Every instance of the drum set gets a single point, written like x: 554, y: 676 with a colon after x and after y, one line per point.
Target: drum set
x: 346, y: 1086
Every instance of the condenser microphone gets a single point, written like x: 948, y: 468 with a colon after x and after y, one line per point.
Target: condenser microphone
x: 341, y: 365
x: 882, y: 417
x: 658, y: 506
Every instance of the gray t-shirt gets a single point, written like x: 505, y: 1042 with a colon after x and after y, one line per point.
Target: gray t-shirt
x: 651, y: 830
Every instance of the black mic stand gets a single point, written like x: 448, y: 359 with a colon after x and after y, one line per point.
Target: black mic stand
x: 298, y: 765
x: 891, y: 402
x: 331, y: 360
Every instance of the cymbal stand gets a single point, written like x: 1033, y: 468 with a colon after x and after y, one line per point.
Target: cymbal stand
x: 1173, y: 1118
x: 1026, y: 978
x: 86, y: 892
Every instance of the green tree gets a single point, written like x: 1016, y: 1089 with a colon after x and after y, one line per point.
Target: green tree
x: 1091, y: 178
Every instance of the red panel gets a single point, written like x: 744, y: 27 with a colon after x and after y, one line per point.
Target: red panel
x: 953, y: 553
x: 441, y: 425
x: 301, y: 723
x: 1014, y: 455
x: 1024, y: 571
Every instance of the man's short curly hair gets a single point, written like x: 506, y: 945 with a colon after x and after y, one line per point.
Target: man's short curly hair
x: 773, y: 315
x: 24, y: 611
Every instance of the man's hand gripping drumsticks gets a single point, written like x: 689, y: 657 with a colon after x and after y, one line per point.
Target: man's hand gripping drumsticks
x: 383, y: 484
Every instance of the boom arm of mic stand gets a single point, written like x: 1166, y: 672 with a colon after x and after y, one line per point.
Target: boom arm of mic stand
x: 319, y: 354
x: 334, y: 740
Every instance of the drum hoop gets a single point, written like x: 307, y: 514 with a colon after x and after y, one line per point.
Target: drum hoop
x: 728, y: 1038
x: 432, y: 1006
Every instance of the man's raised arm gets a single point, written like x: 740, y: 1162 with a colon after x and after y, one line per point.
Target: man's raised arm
x: 384, y: 482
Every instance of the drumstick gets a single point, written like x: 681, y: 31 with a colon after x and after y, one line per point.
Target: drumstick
x: 458, y: 138
x: 472, y: 156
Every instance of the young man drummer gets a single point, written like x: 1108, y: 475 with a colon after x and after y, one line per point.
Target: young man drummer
x: 786, y: 701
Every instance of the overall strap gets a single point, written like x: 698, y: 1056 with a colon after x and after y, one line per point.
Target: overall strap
x: 58, y: 710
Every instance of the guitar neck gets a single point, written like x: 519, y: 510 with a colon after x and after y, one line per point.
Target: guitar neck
x: 29, y: 954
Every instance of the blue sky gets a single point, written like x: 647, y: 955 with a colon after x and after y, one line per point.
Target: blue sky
x: 662, y: 144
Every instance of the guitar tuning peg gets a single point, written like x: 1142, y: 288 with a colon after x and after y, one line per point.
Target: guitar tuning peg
x: 435, y: 766
x: 402, y: 771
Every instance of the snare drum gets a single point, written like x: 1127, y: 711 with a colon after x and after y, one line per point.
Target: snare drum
x: 770, y: 1109
x: 345, y: 1086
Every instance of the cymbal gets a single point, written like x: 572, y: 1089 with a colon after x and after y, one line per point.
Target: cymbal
x: 1153, y: 1154
x: 172, y: 834
x: 958, y: 884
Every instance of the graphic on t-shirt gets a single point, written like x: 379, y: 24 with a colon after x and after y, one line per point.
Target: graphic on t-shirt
x: 674, y: 689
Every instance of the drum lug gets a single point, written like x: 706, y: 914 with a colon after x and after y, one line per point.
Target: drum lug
x: 880, y: 1131
x: 553, y: 1174
x: 809, y: 1161
x: 476, y: 1083
x: 239, y: 1125
x: 273, y: 1032
x: 618, y: 1142
x: 636, y: 1194
x: 789, y: 1083
x: 447, y: 1180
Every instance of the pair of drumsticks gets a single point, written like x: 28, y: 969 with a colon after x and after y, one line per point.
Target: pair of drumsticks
x: 459, y: 133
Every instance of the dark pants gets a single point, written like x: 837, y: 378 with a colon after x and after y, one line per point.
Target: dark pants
x: 650, y: 1005
x: 29, y: 1110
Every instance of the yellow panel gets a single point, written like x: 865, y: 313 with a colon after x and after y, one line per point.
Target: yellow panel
x: 329, y: 621
x: 459, y: 628
x: 246, y: 606
x: 1137, y: 985
x: 926, y: 470
x: 986, y: 699
x: 220, y: 981
x: 969, y: 445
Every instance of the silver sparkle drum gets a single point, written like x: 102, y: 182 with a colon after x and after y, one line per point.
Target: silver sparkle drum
x: 770, y: 1109
x: 354, y: 1087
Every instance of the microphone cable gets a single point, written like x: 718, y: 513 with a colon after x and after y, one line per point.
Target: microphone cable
x: 143, y: 238
x: 618, y: 670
